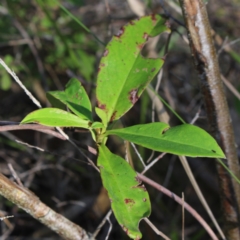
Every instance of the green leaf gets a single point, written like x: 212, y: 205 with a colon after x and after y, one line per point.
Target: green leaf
x: 101, y: 115
x: 54, y: 117
x: 129, y: 199
x: 75, y: 97
x: 185, y: 139
x: 97, y: 125
x: 123, y: 71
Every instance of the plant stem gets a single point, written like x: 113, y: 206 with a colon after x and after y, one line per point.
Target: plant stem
x: 205, y: 58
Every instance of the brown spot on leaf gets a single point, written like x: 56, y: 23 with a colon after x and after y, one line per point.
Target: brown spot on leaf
x: 130, y: 202
x: 113, y: 116
x: 153, y: 17
x: 143, y: 187
x: 105, y: 52
x: 145, y: 36
x: 133, y: 97
x: 120, y: 32
x: 124, y: 229
x: 101, y: 106
x: 140, y: 46
x: 144, y: 199
x: 132, y: 22
x: 138, y: 179
x: 102, y: 64
x: 153, y: 69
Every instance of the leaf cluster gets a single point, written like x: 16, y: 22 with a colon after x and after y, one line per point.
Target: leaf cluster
x: 123, y: 75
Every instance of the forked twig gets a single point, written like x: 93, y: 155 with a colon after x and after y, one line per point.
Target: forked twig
x: 155, y: 229
x: 106, y: 218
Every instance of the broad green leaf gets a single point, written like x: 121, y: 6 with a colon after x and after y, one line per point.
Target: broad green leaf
x: 185, y: 139
x: 129, y: 199
x: 55, y: 117
x: 123, y: 72
x: 75, y: 97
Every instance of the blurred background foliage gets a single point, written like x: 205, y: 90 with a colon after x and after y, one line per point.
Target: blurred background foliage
x: 45, y: 47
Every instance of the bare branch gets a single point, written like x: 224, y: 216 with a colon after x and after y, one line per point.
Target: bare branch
x: 181, y: 202
x: 29, y: 202
x: 155, y: 229
x: 206, y: 63
x: 36, y: 127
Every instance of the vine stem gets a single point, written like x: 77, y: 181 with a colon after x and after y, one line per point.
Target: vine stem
x: 206, y: 63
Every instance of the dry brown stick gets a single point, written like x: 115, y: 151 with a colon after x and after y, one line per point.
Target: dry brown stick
x: 36, y: 127
x: 26, y: 200
x: 44, y: 129
x: 205, y: 58
x: 181, y: 202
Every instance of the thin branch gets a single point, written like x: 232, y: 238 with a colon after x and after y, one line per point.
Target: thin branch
x: 138, y: 154
x: 14, y: 174
x: 181, y: 202
x: 15, y: 77
x: 106, y: 218
x: 36, y: 127
x: 183, y: 217
x: 44, y: 129
x: 30, y: 203
x: 231, y: 88
x: 153, y: 162
x: 200, y: 194
x: 110, y: 227
x: 155, y: 229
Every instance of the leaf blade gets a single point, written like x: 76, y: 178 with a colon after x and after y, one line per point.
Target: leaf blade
x: 129, y: 199
x: 123, y: 72
x: 75, y: 98
x: 185, y: 139
x: 54, y: 117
